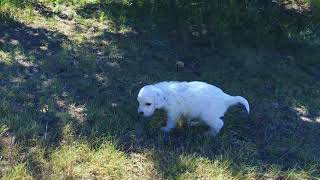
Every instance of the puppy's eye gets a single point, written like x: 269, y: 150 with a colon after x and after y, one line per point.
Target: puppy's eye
x: 148, y: 104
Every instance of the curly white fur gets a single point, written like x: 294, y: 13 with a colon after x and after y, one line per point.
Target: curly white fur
x: 189, y: 99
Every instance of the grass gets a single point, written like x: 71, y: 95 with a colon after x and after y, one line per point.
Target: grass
x: 68, y: 86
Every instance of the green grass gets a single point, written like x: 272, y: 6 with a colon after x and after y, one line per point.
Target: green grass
x: 68, y: 90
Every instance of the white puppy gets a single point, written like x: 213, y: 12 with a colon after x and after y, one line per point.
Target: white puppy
x: 189, y: 99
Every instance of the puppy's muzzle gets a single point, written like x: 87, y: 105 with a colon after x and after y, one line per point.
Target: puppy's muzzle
x: 141, y: 113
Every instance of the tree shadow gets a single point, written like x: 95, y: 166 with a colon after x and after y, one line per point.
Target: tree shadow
x: 274, y: 134
x: 40, y: 42
x: 212, y: 24
x: 48, y: 12
x: 92, y: 91
x: 29, y: 82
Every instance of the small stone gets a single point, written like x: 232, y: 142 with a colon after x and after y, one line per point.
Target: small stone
x: 275, y: 105
x: 179, y: 64
x: 44, y: 109
x: 290, y: 58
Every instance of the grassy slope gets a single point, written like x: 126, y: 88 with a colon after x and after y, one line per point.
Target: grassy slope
x: 68, y: 88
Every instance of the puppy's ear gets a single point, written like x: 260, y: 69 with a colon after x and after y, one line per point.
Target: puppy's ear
x: 160, y: 99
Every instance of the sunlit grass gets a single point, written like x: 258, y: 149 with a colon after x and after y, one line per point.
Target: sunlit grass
x: 201, y: 168
x: 68, y: 104
x: 79, y: 161
x: 18, y: 172
x: 5, y: 57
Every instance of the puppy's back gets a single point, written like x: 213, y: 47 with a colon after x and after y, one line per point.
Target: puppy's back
x: 204, y: 87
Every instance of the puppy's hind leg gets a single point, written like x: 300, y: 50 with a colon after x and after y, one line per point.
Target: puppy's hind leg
x: 191, y: 123
x: 215, y: 125
x: 171, y: 122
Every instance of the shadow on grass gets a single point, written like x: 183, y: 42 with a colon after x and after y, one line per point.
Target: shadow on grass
x: 26, y: 88
x: 210, y: 24
x: 48, y: 12
x: 53, y: 89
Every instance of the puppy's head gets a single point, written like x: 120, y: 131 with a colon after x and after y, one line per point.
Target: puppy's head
x: 150, y: 98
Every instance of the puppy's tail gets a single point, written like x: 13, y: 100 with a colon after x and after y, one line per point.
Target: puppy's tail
x: 238, y: 99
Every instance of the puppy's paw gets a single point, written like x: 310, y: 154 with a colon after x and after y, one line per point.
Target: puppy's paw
x: 211, y: 133
x: 193, y: 123
x: 165, y: 129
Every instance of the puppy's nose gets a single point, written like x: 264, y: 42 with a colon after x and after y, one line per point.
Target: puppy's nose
x: 141, y: 112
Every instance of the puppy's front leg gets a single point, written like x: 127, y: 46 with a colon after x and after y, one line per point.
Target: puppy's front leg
x: 191, y: 123
x: 171, y: 122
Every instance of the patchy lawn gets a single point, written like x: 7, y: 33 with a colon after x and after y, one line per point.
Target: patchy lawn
x: 69, y: 76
